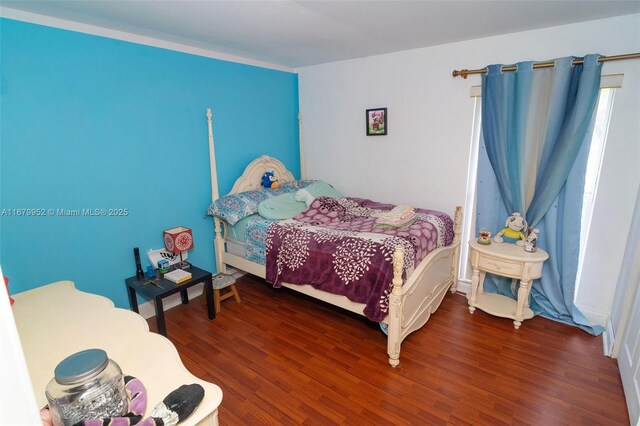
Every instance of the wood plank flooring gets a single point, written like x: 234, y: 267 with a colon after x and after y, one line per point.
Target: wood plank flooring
x: 283, y: 358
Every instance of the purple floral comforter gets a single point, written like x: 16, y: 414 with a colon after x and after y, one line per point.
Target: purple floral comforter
x: 336, y: 247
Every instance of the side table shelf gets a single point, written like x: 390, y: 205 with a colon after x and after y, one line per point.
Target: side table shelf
x: 507, y: 260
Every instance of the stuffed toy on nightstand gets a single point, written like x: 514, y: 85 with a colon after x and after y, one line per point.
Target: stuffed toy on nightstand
x: 513, y: 230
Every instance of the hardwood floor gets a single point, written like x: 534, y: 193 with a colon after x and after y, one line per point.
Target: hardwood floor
x: 283, y: 358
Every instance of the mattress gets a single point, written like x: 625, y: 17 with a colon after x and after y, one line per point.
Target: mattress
x: 235, y: 247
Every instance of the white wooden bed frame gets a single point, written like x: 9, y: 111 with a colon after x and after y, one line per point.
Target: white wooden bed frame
x: 410, y: 303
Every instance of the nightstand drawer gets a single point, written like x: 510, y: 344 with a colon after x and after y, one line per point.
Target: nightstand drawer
x: 500, y: 267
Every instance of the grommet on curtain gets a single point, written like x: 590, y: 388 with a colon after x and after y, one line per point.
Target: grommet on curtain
x: 592, y: 59
x: 494, y: 69
x: 525, y: 66
x: 502, y: 72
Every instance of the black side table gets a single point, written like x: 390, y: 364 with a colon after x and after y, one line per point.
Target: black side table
x: 166, y: 288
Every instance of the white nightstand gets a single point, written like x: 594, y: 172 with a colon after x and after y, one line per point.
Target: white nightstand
x: 507, y: 260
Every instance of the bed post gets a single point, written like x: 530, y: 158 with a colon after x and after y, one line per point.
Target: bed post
x: 212, y: 159
x: 395, y: 309
x: 303, y: 172
x: 218, y: 243
x: 457, y: 223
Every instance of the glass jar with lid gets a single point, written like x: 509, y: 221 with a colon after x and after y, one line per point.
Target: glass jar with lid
x: 86, y: 385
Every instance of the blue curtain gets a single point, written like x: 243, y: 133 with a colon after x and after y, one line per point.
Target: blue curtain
x: 536, y: 133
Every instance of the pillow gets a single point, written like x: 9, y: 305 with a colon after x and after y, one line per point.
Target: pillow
x: 283, y: 206
x: 231, y: 208
x: 296, y: 184
x: 304, y: 196
x: 234, y: 207
x: 316, y: 189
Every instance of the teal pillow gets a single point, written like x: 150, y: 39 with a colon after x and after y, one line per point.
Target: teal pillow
x: 281, y: 207
x: 316, y: 189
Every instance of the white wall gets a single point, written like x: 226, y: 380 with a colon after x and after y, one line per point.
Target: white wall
x: 423, y: 160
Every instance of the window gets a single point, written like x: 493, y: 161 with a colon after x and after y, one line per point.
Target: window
x: 594, y: 163
x: 469, y: 221
x: 598, y: 142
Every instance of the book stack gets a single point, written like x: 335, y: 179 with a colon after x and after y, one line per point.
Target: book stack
x: 178, y: 276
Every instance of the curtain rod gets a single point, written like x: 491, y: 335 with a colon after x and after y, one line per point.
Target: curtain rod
x: 548, y: 64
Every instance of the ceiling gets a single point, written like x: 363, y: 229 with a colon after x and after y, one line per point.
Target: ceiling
x: 294, y: 34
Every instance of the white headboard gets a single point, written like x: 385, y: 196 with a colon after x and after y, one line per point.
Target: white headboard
x: 252, y: 175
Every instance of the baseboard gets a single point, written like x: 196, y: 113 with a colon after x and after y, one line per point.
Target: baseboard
x: 608, y: 337
x: 148, y: 310
x: 464, y: 286
x: 594, y: 318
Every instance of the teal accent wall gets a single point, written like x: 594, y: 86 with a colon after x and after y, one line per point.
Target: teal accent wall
x: 88, y: 122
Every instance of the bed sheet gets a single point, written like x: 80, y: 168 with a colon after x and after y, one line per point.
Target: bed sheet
x: 252, y: 233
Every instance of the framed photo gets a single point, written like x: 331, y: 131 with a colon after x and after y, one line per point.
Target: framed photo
x: 377, y: 122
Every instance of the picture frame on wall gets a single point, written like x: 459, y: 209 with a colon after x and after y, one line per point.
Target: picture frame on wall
x: 377, y: 122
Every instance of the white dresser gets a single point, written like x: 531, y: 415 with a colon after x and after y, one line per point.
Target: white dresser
x: 57, y: 320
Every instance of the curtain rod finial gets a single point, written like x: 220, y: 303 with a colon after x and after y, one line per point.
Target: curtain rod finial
x: 461, y: 73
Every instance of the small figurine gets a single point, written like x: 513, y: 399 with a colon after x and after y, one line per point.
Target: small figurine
x: 151, y: 272
x: 513, y: 229
x: 484, y: 237
x: 531, y: 244
x: 163, y: 266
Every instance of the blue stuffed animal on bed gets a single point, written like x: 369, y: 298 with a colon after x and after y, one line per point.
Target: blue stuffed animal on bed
x: 269, y: 180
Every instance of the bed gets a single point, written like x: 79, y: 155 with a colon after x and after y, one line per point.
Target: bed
x: 415, y: 290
